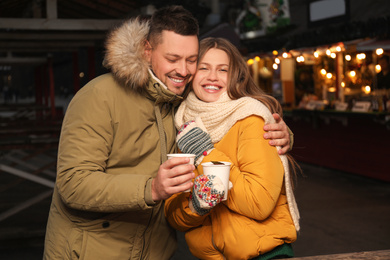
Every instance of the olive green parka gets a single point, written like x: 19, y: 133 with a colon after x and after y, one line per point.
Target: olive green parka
x: 116, y: 132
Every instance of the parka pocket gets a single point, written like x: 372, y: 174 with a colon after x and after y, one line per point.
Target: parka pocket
x: 75, y: 242
x: 102, y: 239
x: 104, y: 245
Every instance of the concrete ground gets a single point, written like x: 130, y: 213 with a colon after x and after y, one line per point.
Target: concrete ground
x: 340, y: 213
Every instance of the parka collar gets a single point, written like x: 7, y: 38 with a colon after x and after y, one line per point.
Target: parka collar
x: 160, y: 93
x: 125, y: 54
x: 125, y: 49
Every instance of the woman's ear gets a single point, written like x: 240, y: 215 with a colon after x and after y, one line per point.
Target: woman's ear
x: 148, y: 50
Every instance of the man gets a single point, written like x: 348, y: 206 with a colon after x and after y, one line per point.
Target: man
x: 113, y: 175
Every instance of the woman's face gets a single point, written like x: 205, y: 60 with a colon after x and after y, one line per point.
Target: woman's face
x: 211, y: 77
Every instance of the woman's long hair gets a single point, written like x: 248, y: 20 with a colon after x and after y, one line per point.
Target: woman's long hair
x: 240, y: 81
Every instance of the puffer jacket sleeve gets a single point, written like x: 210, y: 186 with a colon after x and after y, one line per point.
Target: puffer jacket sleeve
x: 85, y: 143
x: 256, y: 172
x: 179, y: 215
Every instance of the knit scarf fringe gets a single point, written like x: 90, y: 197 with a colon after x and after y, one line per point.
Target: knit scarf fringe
x: 218, y: 117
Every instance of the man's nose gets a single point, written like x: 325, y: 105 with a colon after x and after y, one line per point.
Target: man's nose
x: 182, y: 68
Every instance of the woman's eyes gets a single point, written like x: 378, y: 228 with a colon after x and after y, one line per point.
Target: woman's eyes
x: 222, y: 70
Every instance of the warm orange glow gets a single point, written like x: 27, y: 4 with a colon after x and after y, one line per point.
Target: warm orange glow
x: 366, y: 89
x: 250, y: 61
x: 378, y: 68
x: 300, y: 59
x: 379, y: 51
x: 361, y: 56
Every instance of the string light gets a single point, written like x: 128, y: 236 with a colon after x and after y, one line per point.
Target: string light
x: 378, y: 68
x: 379, y: 51
x: 300, y: 59
x: 361, y: 56
x: 366, y: 89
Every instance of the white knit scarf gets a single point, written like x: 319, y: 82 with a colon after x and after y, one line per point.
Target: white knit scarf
x: 219, y: 116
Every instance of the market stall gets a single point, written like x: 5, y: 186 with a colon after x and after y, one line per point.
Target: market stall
x: 333, y: 103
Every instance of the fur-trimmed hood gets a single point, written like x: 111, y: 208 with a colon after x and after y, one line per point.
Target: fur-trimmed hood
x: 124, y: 56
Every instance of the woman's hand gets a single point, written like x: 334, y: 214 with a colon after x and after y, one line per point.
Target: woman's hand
x: 207, y: 192
x: 192, y: 138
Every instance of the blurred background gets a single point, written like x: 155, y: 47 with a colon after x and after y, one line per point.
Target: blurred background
x: 326, y: 61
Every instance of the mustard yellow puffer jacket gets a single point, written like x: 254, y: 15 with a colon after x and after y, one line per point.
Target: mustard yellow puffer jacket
x: 255, y: 218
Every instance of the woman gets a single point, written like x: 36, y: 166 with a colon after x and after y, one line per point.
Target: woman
x: 220, y: 121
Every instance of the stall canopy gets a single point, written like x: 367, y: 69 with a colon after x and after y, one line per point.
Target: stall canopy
x: 373, y: 44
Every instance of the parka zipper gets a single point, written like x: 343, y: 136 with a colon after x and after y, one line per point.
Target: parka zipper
x: 215, y: 247
x: 143, y: 236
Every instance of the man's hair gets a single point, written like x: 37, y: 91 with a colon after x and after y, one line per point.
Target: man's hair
x: 173, y: 18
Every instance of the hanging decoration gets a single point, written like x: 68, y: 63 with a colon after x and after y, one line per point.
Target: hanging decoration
x: 260, y: 17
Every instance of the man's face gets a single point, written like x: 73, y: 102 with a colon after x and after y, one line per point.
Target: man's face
x: 173, y: 61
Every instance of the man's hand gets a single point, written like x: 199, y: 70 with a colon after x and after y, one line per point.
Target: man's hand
x: 172, y: 177
x: 278, y: 134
